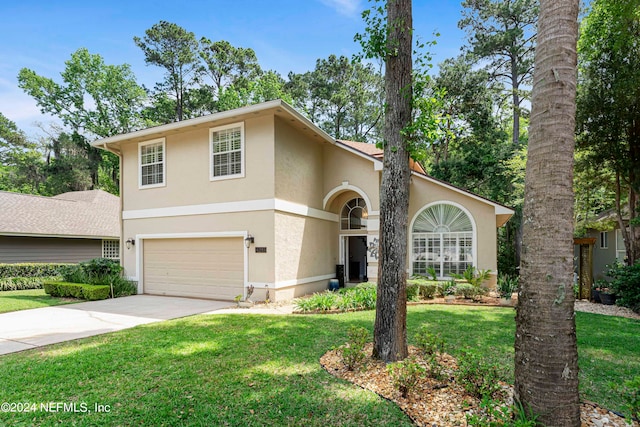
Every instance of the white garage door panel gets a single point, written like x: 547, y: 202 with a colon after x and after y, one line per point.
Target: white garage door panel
x: 203, y: 267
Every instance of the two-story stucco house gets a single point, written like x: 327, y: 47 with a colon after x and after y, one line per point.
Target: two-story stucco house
x: 261, y: 196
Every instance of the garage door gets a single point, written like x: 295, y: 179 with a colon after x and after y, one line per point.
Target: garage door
x: 203, y: 268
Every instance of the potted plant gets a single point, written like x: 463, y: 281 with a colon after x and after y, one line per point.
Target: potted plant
x: 605, y: 294
x: 507, y: 285
x: 247, y: 301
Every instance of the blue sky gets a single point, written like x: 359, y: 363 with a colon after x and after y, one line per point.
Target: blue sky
x: 287, y: 35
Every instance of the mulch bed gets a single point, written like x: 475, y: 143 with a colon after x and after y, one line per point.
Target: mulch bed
x: 439, y: 403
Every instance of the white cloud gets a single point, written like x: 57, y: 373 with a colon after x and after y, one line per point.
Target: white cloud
x: 344, y: 7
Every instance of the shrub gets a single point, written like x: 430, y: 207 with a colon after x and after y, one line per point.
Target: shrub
x: 478, y: 377
x: 447, y: 288
x: 413, y: 292
x: 493, y: 413
x: 427, y: 342
x: 100, y: 272
x: 30, y: 270
x: 77, y: 290
x: 406, y: 374
x: 469, y: 291
x: 73, y: 274
x: 625, y: 284
x: 362, y: 297
x: 352, y: 352
x: 21, y: 283
x: 428, y: 290
x: 507, y: 285
x: 473, y: 276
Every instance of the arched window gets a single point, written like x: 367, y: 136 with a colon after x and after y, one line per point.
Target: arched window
x: 354, y: 215
x: 443, y: 240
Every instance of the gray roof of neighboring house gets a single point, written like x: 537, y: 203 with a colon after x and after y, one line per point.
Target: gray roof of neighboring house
x: 85, y: 214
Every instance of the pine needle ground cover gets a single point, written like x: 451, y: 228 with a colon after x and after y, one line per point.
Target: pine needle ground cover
x: 264, y: 370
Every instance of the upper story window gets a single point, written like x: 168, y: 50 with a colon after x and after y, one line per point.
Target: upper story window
x: 354, y: 215
x: 151, y: 161
x: 227, y: 151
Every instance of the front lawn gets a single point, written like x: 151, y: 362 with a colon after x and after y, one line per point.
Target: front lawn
x: 30, y: 298
x: 263, y: 370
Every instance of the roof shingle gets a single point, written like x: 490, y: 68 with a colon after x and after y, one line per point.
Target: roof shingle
x: 92, y: 213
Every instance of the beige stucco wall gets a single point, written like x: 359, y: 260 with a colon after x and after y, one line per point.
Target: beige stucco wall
x: 342, y: 166
x: 187, y: 169
x: 299, y: 167
x: 305, y: 247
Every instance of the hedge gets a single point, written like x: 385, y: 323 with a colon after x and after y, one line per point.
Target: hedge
x: 77, y: 290
x: 30, y: 270
x: 21, y: 283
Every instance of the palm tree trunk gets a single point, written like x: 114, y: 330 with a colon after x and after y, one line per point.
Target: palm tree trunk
x: 546, y: 357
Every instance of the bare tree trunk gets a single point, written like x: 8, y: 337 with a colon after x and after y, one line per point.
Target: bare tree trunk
x: 546, y: 356
x: 515, y: 95
x: 390, y: 331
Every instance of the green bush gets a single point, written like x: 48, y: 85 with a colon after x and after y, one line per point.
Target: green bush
x: 419, y: 287
x: 625, y: 284
x: 428, y: 342
x: 413, y: 292
x: 446, y: 288
x: 77, y: 290
x: 469, y: 291
x: 30, y: 270
x: 22, y: 283
x: 352, y: 352
x: 406, y: 374
x: 478, y: 377
x: 100, y: 272
x: 507, y: 285
x: 362, y: 297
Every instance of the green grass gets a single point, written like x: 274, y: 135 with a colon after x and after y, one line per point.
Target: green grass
x: 26, y: 299
x: 263, y: 370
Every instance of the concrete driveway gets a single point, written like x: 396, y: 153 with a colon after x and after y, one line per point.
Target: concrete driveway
x: 23, y: 330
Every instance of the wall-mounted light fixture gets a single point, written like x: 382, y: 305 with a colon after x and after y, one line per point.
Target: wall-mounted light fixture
x: 248, y: 241
x: 130, y: 242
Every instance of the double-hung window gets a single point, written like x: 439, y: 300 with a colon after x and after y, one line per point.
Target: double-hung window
x: 151, y: 157
x: 227, y: 151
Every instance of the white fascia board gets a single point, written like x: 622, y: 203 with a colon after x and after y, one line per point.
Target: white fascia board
x: 232, y: 207
x: 223, y: 115
x: 58, y: 236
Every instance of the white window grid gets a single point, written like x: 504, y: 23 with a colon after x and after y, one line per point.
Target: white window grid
x: 604, y: 240
x: 446, y: 253
x: 111, y: 249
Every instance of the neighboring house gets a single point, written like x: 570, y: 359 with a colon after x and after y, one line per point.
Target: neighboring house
x: 70, y: 227
x: 261, y: 196
x: 609, y: 244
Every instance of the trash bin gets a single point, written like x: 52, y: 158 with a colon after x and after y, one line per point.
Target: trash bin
x: 340, y: 274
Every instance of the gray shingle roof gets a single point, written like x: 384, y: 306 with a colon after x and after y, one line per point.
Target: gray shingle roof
x: 92, y: 213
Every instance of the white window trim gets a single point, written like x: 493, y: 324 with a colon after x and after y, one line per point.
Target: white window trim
x: 604, y: 238
x: 164, y: 164
x: 242, y: 152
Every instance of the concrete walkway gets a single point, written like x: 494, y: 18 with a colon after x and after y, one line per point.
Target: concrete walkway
x: 26, y: 329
